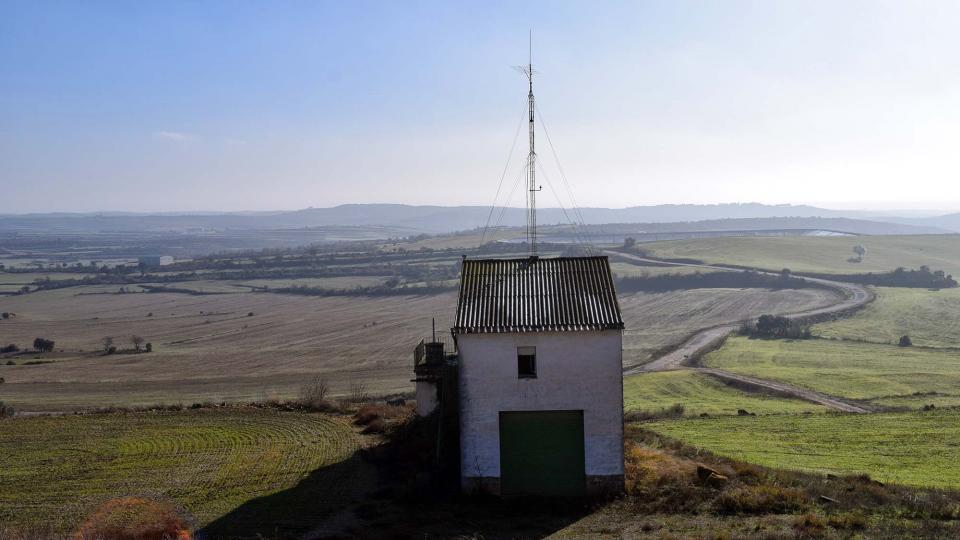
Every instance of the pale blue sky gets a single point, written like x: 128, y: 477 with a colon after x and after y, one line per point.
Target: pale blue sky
x: 254, y: 105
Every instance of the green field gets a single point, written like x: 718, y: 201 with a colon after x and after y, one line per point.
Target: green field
x: 930, y: 318
x: 227, y: 467
x: 819, y: 254
x: 884, y: 375
x: 914, y: 448
x: 700, y: 393
x: 13, y: 281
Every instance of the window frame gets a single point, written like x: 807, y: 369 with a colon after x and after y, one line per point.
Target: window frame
x: 527, y: 354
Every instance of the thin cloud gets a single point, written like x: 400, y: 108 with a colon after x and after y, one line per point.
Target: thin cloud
x: 174, y: 136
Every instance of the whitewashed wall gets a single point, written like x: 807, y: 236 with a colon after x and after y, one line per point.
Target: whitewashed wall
x: 575, y: 371
x: 426, y: 397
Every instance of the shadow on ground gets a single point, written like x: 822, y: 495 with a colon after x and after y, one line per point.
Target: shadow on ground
x: 355, y: 499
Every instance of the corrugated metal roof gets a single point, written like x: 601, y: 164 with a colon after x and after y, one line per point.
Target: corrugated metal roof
x: 534, y: 294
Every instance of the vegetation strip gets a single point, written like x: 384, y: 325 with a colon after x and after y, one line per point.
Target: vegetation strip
x: 913, y: 448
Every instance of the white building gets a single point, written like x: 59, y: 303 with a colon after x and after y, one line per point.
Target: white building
x: 539, y: 344
x: 151, y: 261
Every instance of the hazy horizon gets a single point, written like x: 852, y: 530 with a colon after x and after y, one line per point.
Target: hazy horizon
x: 873, y: 210
x: 223, y: 107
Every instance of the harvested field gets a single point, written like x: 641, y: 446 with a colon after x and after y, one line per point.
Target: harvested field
x: 211, y: 463
x: 207, y: 347
x: 625, y: 269
x: 658, y: 320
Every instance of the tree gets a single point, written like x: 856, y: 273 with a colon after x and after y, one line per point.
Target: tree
x: 107, y: 343
x: 785, y: 274
x: 905, y: 341
x: 860, y: 251
x: 629, y: 242
x: 43, y: 345
x: 137, y: 341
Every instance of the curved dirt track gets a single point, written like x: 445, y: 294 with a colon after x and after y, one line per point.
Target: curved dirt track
x: 854, y: 297
x: 784, y: 389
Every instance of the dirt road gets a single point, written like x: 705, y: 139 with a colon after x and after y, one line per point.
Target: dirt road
x: 753, y: 384
x: 854, y: 297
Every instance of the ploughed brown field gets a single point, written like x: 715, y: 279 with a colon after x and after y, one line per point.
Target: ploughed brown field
x: 207, y: 348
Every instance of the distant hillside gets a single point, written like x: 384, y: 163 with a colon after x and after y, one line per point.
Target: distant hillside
x: 813, y: 225
x: 431, y: 219
x: 950, y: 222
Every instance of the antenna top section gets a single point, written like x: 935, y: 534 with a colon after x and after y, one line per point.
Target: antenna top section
x: 528, y: 70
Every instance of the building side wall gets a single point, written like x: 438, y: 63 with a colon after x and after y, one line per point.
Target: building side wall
x: 575, y: 371
x: 426, y: 397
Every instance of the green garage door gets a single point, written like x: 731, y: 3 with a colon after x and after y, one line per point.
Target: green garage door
x: 541, y: 453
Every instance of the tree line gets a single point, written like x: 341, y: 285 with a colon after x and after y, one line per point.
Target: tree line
x: 711, y: 280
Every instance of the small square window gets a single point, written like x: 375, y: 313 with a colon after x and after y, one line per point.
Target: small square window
x: 526, y: 362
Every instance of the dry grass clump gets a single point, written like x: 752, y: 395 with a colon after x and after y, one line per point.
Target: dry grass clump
x: 762, y: 499
x: 134, y: 518
x: 643, y: 415
x: 647, y: 468
x: 378, y: 417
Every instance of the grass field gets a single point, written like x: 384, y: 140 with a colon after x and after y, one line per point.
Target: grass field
x: 216, y: 464
x: 820, y: 254
x: 700, y: 393
x: 930, y: 318
x: 884, y: 375
x: 913, y: 448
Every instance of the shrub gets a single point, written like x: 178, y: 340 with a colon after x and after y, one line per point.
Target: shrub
x: 358, y: 393
x: 134, y: 518
x: 11, y: 363
x: 148, y: 347
x: 9, y: 348
x: 905, y: 341
x: 112, y: 350
x: 777, y: 327
x: 6, y: 411
x: 313, y: 395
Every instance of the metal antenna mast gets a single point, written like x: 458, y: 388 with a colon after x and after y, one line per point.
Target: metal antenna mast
x: 532, y: 187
